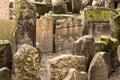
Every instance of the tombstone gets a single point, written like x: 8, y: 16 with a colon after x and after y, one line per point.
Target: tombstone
x: 68, y: 29
x: 58, y: 67
x: 27, y: 63
x: 97, y: 22
x: 25, y: 27
x: 4, y: 9
x: 59, y: 6
x: 118, y: 52
x: 45, y: 33
x: 115, y: 18
x: 5, y: 74
x: 85, y: 46
x: 73, y: 74
x: 5, y: 54
x: 98, y: 69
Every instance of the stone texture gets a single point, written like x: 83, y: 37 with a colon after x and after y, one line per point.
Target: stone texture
x: 73, y: 74
x: 27, y: 63
x: 59, y: 6
x: 6, y: 27
x: 115, y: 18
x: 68, y: 29
x: 118, y: 52
x: 85, y: 46
x: 59, y: 66
x: 4, y: 9
x: 45, y: 33
x: 98, y: 69
x: 109, y: 45
x: 5, y: 74
x: 25, y: 27
x: 5, y: 54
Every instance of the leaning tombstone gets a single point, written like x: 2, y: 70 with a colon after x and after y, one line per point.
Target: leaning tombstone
x: 25, y: 27
x: 27, y: 63
x: 98, y: 69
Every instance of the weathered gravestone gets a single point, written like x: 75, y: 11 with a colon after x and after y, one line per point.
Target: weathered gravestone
x: 5, y: 74
x: 73, y: 74
x: 25, y: 27
x: 109, y: 45
x: 45, y: 33
x: 115, y: 18
x: 98, y: 69
x: 85, y: 46
x: 5, y: 54
x: 27, y: 63
x: 97, y: 22
x: 59, y: 66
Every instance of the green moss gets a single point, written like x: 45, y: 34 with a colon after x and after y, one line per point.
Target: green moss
x: 98, y: 14
x: 4, y: 42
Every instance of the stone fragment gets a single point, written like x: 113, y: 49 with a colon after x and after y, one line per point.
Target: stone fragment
x: 5, y: 74
x: 99, y: 67
x: 25, y: 27
x: 85, y: 46
x: 59, y: 66
x: 73, y: 74
x: 5, y: 54
x: 27, y: 63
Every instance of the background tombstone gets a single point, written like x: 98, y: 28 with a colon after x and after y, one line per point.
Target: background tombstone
x: 5, y: 54
x: 97, y: 22
x: 25, y: 28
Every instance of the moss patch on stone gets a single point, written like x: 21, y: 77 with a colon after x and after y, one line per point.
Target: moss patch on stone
x: 98, y: 14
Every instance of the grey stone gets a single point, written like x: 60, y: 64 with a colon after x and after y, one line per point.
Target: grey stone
x: 27, y: 63
x: 25, y: 27
x: 5, y: 74
x: 73, y: 74
x: 85, y: 46
x: 59, y: 66
x: 99, y: 67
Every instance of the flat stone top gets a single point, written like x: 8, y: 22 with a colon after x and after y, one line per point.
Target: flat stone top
x: 4, y: 42
x: 98, y: 14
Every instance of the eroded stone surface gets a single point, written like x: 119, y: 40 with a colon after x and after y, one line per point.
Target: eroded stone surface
x: 98, y: 69
x: 73, y: 74
x: 85, y: 46
x: 5, y: 74
x: 59, y: 66
x: 25, y: 27
x: 27, y: 63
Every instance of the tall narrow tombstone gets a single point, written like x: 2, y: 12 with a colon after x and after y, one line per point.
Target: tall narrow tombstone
x: 27, y: 63
x: 25, y: 28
